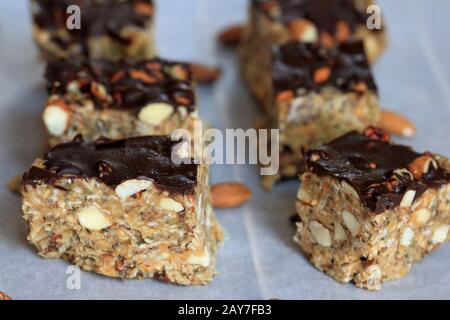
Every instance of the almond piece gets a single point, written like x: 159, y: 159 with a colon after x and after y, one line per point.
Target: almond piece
x: 143, y: 76
x: 320, y: 234
x: 155, y: 113
x: 421, y: 166
x: 407, y: 237
x: 169, y: 204
x: 327, y: 39
x: 303, y: 30
x: 143, y: 8
x: 440, y: 234
x: 55, y: 119
x: 394, y: 123
x: 286, y: 95
x: 421, y: 217
x: 231, y: 36
x: 93, y: 219
x: 4, y: 296
x: 322, y: 74
x: 229, y: 194
x: 408, y: 199
x: 130, y: 187
x: 339, y: 232
x: 200, y: 257
x: 205, y: 74
x: 351, y: 223
x: 343, y: 31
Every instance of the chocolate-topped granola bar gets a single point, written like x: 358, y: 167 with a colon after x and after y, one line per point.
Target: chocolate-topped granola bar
x: 123, y: 208
x: 368, y: 209
x: 109, y: 29
x: 329, y: 22
x: 316, y: 94
x: 118, y: 99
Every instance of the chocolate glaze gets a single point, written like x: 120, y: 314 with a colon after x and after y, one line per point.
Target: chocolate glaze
x: 123, y: 90
x: 115, y: 161
x: 368, y: 164
x: 106, y: 17
x: 294, y: 64
x: 323, y: 13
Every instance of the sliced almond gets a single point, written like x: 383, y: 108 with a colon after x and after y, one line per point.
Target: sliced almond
x: 145, y: 9
x: 304, y: 196
x: 303, y: 30
x: 205, y: 74
x: 421, y: 217
x: 421, y: 166
x: 286, y: 95
x: 229, y: 194
x: 155, y: 113
x: 351, y: 223
x: 395, y: 123
x: 407, y: 237
x: 440, y: 234
x: 408, y: 199
x: 201, y: 258
x: 169, y: 204
x: 320, y: 234
x: 339, y: 232
x: 56, y: 119
x: 130, y: 187
x: 231, y: 36
x: 93, y: 218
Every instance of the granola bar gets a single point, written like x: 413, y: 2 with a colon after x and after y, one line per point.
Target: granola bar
x: 368, y: 209
x: 123, y: 209
x: 329, y: 22
x: 109, y: 29
x: 316, y: 95
x: 117, y: 99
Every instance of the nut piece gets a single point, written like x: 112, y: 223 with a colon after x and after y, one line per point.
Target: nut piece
x: 351, y: 223
x: 407, y: 237
x: 303, y: 30
x: 304, y: 196
x: 421, y: 217
x: 408, y: 199
x: 155, y: 113
x: 55, y: 119
x: 394, y: 123
x: 322, y: 74
x: 4, y: 296
x: 130, y: 187
x: 320, y: 234
x: 231, y: 36
x: 205, y: 74
x: 170, y: 205
x: 229, y: 194
x: 339, y: 232
x: 93, y: 219
x: 201, y: 258
x: 421, y: 166
x: 440, y: 234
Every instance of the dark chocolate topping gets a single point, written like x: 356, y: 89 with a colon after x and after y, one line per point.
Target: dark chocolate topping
x: 294, y: 65
x: 323, y: 13
x: 98, y: 17
x: 115, y: 161
x: 375, y: 168
x: 127, y: 86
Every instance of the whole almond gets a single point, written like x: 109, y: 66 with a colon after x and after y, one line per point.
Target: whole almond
x: 231, y: 36
x: 4, y: 296
x: 205, y: 74
x: 395, y: 123
x: 229, y: 194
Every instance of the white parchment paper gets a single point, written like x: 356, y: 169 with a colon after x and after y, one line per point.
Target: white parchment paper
x: 259, y: 259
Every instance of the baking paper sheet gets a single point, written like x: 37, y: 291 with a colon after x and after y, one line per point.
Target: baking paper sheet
x: 258, y: 259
